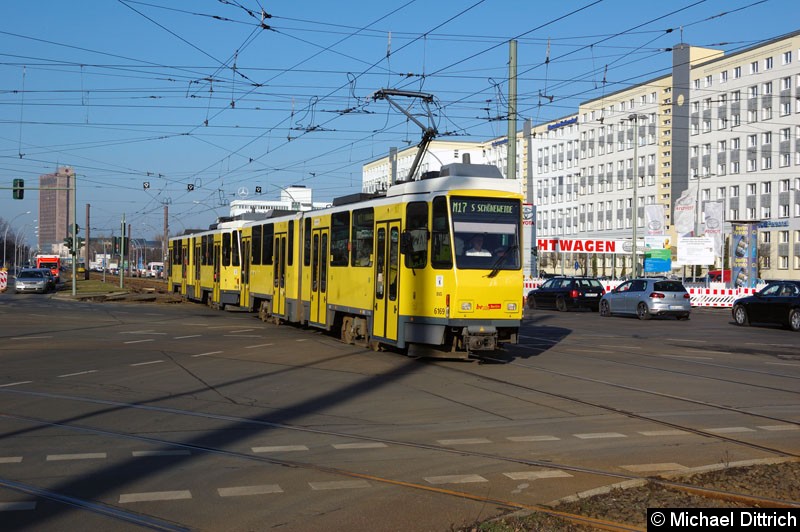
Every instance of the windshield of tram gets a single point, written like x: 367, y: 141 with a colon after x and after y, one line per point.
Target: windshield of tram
x: 486, y: 232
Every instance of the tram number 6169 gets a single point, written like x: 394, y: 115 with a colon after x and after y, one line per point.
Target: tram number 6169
x: 439, y: 311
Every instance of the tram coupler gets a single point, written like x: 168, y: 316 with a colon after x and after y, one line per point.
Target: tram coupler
x: 480, y: 338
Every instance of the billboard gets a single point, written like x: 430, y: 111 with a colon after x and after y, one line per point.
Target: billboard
x: 744, y: 254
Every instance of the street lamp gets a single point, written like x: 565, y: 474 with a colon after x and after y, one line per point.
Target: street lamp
x: 5, y: 237
x: 635, y: 119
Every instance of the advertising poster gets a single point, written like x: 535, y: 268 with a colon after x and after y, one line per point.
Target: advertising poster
x: 696, y: 250
x: 528, y: 238
x: 744, y: 257
x: 657, y: 260
x: 714, y: 211
x: 654, y: 219
x: 684, y: 215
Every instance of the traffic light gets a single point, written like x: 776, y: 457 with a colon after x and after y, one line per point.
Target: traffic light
x: 79, y: 244
x: 19, y: 188
x: 68, y: 243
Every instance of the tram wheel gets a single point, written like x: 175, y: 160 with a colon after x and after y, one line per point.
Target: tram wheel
x: 348, y: 336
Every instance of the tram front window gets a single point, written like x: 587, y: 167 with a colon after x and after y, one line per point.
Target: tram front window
x: 486, y: 233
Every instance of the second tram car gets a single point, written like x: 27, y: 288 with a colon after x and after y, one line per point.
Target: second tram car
x: 434, y: 265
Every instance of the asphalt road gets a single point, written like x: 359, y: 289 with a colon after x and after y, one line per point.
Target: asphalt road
x: 116, y: 416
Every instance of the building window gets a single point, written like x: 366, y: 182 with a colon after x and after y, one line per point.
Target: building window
x: 754, y: 67
x: 786, y: 58
x: 768, y: 62
x: 737, y: 72
x: 723, y: 76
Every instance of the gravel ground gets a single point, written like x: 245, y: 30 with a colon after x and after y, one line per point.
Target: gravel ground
x: 775, y: 481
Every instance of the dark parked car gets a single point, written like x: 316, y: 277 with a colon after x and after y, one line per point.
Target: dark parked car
x: 778, y: 303
x: 563, y: 293
x: 648, y: 297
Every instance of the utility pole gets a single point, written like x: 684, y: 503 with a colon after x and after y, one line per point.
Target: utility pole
x: 122, y: 253
x: 635, y: 215
x: 86, y: 246
x: 511, y: 151
x: 165, y: 243
x: 74, y: 209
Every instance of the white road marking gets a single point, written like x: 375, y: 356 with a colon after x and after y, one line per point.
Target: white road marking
x: 688, y: 357
x: 728, y: 430
x: 207, y: 354
x: 161, y: 453
x: 30, y: 337
x: 79, y: 373
x: 782, y: 364
x: 14, y: 384
x: 79, y: 456
x: 659, y: 433
x: 239, y: 491
x: 532, y: 438
x: 463, y: 441
x: 339, y: 485
x: 779, y: 427
x: 687, y: 340
x: 242, y: 335
x: 279, y: 448
x: 365, y: 445
x: 189, y: 336
x: 140, y: 341
x: 255, y: 346
x: 535, y: 475
x: 155, y: 496
x: 147, y: 363
x: 302, y: 340
x: 599, y: 435
x: 10, y: 459
x: 644, y: 468
x: 15, y: 506
x: 455, y: 479
x: 242, y: 330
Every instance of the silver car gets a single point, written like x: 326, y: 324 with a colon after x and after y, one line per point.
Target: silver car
x: 31, y: 281
x: 646, y: 298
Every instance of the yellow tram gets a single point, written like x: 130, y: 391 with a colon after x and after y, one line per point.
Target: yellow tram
x: 433, y: 265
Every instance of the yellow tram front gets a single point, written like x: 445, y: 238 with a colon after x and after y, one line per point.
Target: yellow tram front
x: 460, y: 271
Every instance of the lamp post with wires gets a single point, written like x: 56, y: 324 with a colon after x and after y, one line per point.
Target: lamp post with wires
x: 635, y: 208
x: 5, y: 236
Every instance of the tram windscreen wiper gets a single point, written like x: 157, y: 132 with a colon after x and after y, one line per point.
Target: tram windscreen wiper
x: 500, y: 260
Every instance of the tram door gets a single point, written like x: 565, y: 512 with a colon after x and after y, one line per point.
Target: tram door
x: 319, y: 276
x: 215, y: 296
x: 279, y: 275
x: 184, y: 264
x: 384, y: 324
x: 197, y: 260
x: 244, y: 284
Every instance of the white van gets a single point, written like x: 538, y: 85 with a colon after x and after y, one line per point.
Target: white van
x: 154, y: 269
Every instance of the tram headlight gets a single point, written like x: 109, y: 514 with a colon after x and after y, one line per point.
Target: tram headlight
x: 511, y: 307
x: 466, y: 306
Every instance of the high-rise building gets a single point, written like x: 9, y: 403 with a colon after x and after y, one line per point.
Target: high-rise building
x: 55, y: 208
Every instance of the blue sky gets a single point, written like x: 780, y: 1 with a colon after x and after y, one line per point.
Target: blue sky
x: 213, y: 94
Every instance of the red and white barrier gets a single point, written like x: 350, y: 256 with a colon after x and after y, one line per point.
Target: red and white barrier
x: 713, y: 297
x: 3, y: 280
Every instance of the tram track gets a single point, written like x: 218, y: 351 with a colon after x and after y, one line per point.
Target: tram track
x: 154, y: 523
